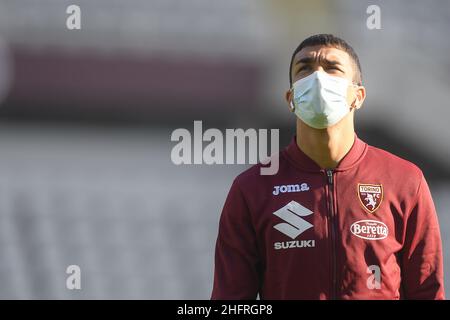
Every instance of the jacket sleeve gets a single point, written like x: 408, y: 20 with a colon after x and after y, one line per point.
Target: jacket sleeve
x: 237, y: 267
x: 422, y: 265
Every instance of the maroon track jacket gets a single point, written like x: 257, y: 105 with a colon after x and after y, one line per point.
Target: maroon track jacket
x: 365, y: 230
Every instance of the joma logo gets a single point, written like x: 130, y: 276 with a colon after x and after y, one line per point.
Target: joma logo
x: 290, y: 188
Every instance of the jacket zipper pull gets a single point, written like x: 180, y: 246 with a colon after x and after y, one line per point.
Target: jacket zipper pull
x: 330, y: 176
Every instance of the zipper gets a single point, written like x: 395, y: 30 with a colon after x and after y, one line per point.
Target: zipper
x: 331, y: 216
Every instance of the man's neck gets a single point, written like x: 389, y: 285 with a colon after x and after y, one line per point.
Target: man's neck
x: 326, y: 147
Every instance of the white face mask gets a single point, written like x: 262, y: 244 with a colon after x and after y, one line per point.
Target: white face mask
x: 320, y: 100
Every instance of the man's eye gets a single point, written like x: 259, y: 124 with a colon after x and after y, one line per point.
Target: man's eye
x: 302, y: 68
x: 335, y: 68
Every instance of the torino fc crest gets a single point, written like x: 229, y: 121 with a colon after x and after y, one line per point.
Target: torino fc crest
x: 370, y: 196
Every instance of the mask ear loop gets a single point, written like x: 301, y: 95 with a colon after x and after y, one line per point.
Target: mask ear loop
x: 291, y: 104
x: 353, y: 105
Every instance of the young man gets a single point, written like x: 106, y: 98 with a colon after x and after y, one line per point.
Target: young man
x: 341, y: 219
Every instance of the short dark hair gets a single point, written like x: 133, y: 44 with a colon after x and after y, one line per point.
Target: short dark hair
x: 329, y: 40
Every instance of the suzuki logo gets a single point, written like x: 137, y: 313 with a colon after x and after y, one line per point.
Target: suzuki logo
x: 293, y: 225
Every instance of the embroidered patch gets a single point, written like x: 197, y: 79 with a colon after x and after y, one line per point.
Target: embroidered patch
x: 370, y: 196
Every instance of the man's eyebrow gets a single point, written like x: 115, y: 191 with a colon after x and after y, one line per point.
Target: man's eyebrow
x: 310, y: 60
x: 305, y: 60
x: 332, y: 62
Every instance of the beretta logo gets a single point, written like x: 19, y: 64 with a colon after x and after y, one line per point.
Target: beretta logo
x: 369, y: 229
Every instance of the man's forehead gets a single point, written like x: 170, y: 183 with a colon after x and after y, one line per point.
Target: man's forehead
x: 329, y: 53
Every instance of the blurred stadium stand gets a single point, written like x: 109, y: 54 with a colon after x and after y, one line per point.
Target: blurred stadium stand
x: 86, y: 118
x: 109, y: 201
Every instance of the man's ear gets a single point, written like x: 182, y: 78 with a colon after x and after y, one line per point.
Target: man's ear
x: 360, y: 96
x: 288, y: 97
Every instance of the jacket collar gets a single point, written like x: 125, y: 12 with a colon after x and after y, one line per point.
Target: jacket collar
x: 301, y: 160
